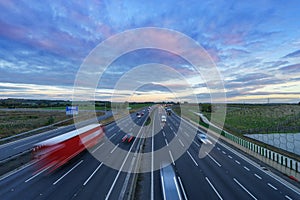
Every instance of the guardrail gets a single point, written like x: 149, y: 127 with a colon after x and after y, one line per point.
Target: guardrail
x: 274, y: 156
x: 287, y: 165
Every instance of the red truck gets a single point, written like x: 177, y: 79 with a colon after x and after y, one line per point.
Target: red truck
x: 54, y: 152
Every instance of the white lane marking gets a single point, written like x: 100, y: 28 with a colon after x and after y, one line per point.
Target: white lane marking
x: 246, y: 168
x: 245, y: 189
x: 272, y: 186
x: 34, y: 141
x: 67, y: 172
x: 237, y: 162
x: 112, y: 136
x: 218, y: 148
x: 89, y: 178
x: 197, y: 144
x: 176, y: 185
x: 257, y: 176
x: 182, y: 188
x: 164, y: 134
x: 186, y: 134
x: 230, y: 157
x: 98, y: 147
x: 175, y: 133
x: 166, y: 142
x: 152, y: 161
x: 181, y: 142
x: 36, y: 174
x: 171, y: 157
x: 280, y: 180
x: 192, y: 158
x: 130, y: 129
x: 213, y: 159
x: 289, y: 198
x: 171, y: 127
x: 211, y: 185
x: 223, y: 152
x: 111, y: 129
x: 16, y: 171
x: 114, y: 148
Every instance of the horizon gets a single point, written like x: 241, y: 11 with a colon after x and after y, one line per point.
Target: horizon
x: 253, y: 46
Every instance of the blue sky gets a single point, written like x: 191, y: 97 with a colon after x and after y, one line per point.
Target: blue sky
x: 254, y: 44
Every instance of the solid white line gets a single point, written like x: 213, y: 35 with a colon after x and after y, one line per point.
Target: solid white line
x: 257, y: 176
x: 67, y: 172
x: 87, y: 180
x: 26, y: 144
x: 114, y: 148
x: 181, y: 142
x: 211, y: 185
x: 237, y: 162
x: 272, y: 186
x: 213, y: 159
x: 98, y: 147
x: 245, y: 189
x: 177, y: 188
x: 16, y: 171
x: 112, y: 136
x: 280, y: 180
x: 182, y: 188
x: 152, y: 161
x: 192, y: 158
x: 166, y: 142
x: 36, y: 175
x: 289, y: 198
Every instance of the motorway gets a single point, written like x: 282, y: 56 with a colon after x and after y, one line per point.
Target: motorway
x: 224, y: 173
x: 19, y: 146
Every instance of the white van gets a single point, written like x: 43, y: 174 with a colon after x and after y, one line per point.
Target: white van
x: 163, y: 118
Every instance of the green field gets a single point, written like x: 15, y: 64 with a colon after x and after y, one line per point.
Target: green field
x: 255, y: 118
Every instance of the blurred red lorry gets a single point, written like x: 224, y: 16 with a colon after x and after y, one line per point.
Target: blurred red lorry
x: 54, y: 152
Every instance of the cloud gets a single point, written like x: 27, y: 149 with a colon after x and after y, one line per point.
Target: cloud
x: 291, y: 69
x: 293, y: 54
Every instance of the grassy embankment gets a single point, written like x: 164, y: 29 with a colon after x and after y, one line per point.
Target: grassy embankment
x: 15, y: 121
x: 252, y: 118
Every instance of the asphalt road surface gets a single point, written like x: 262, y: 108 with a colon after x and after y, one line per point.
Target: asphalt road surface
x: 224, y: 172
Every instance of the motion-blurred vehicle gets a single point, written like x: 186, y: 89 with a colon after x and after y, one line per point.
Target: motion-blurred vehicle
x: 202, y: 137
x: 55, y: 152
x: 127, y: 138
x: 169, y: 183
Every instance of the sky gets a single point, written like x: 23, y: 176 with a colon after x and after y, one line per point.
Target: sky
x: 254, y: 46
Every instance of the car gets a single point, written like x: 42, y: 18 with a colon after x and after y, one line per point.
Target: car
x: 127, y: 138
x: 163, y: 118
x: 202, y: 137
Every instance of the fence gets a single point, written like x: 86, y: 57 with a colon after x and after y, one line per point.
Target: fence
x: 274, y: 156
